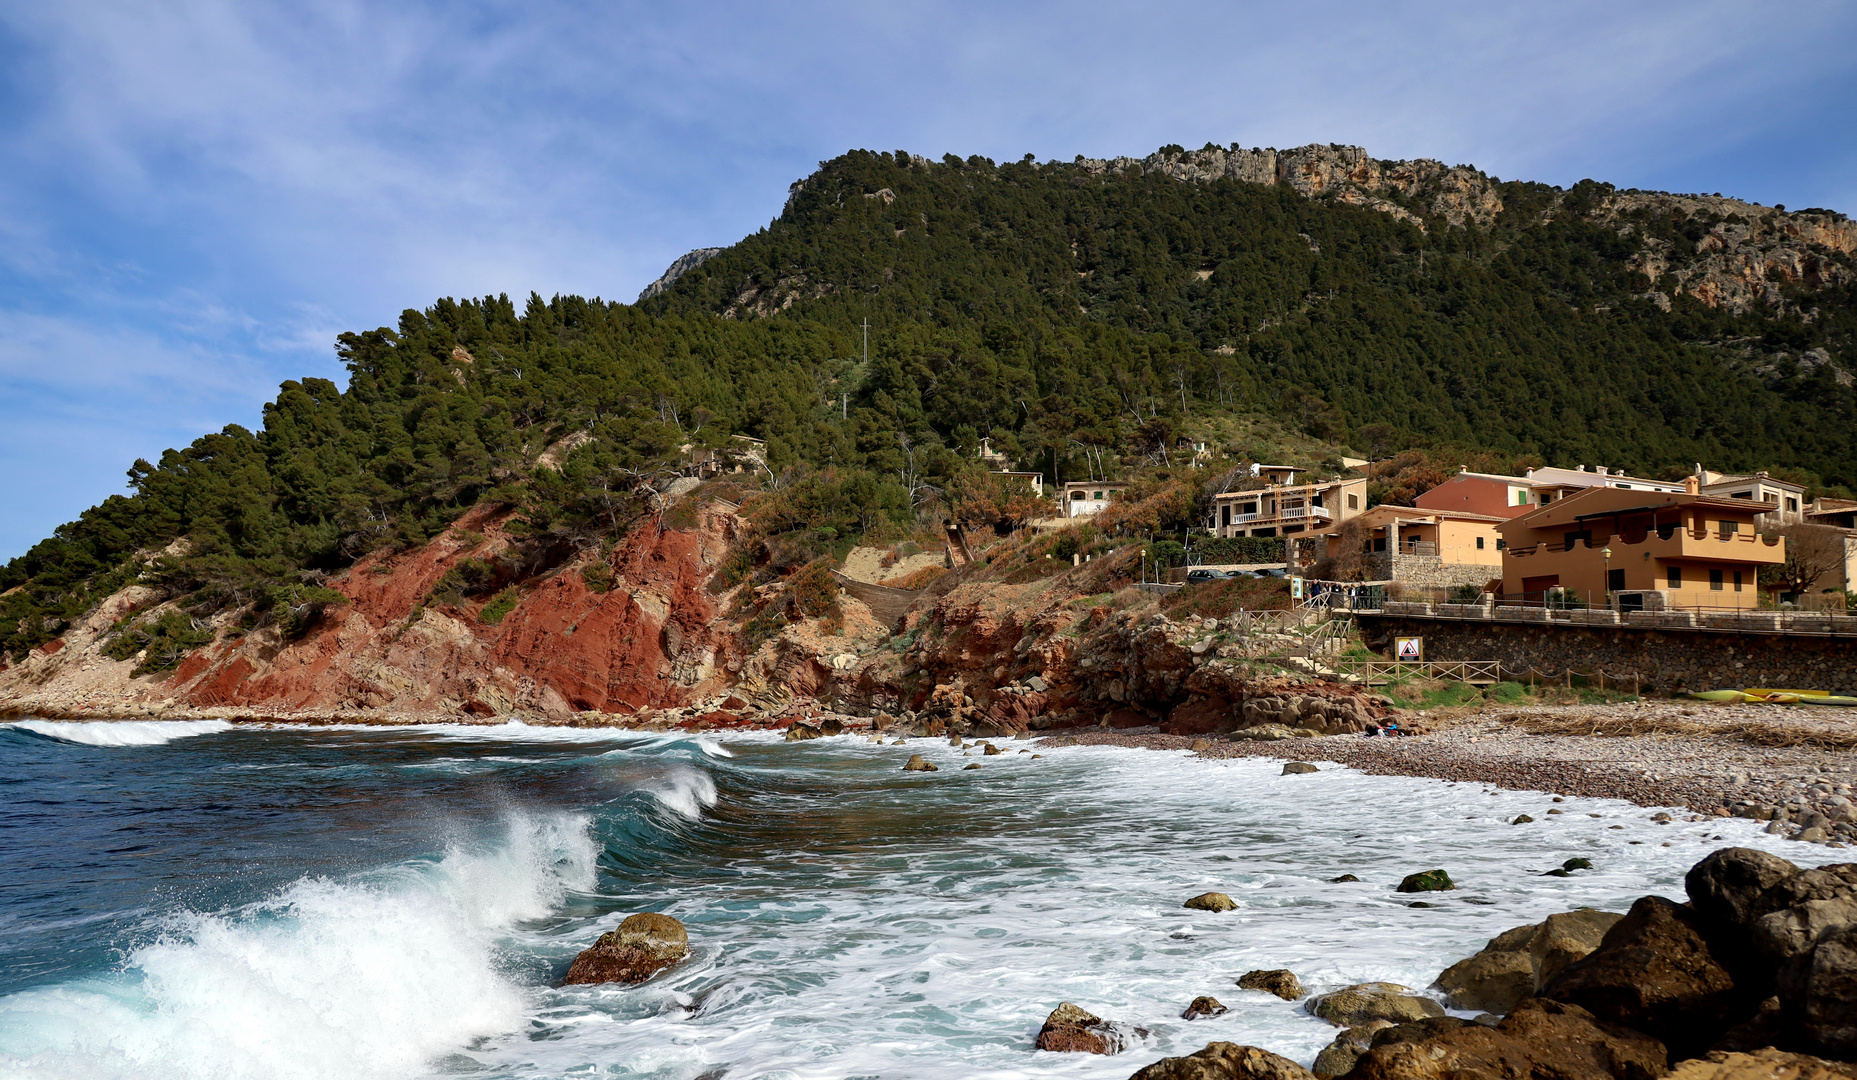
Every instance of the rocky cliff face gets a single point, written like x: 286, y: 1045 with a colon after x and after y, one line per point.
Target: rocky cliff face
x: 655, y: 639
x: 1731, y: 253
x: 684, y: 264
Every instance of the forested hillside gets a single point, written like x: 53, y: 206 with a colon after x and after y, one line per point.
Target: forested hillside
x: 1082, y: 316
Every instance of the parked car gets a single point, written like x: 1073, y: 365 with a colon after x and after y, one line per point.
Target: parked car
x: 1203, y: 573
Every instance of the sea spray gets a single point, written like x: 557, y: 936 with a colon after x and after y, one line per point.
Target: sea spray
x: 371, y: 977
x: 120, y: 732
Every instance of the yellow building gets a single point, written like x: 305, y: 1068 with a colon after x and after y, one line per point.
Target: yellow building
x: 1642, y: 549
x: 1419, y: 547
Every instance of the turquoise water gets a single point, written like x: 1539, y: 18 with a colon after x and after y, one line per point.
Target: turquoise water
x: 196, y: 900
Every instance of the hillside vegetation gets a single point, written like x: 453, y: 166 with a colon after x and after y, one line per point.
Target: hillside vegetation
x: 1083, y: 317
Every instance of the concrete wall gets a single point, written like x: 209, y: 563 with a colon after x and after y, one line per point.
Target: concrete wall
x: 1672, y: 660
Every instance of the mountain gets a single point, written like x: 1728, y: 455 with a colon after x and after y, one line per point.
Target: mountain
x: 1081, y: 316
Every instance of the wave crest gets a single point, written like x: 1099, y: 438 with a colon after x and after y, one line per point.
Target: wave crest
x: 120, y: 732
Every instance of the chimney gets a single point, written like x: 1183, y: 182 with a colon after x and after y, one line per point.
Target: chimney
x: 1600, y: 469
x: 1692, y: 485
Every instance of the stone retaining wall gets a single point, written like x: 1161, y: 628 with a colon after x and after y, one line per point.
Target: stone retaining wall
x: 1672, y: 661
x: 1431, y: 571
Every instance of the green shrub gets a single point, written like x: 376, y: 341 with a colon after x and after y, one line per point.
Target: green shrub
x: 167, y: 640
x: 500, y: 605
x: 598, y: 576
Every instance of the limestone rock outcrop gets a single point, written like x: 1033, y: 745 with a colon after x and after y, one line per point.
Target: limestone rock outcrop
x: 1279, y: 981
x: 1541, y: 1040
x: 1363, y: 1003
x: 1517, y: 963
x: 644, y: 945
x: 1225, y: 1061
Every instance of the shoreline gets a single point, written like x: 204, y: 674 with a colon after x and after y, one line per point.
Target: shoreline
x: 1787, y: 765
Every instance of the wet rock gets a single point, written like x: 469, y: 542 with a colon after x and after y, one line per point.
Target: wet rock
x: 1072, y: 1030
x: 975, y: 765
x: 1203, y: 1006
x: 1763, y: 1063
x: 1518, y: 962
x: 831, y: 725
x: 1577, y: 864
x: 1296, y: 767
x: 644, y: 945
x: 1225, y: 1061
x: 1726, y: 886
x: 1427, y: 881
x: 1522, y: 819
x: 917, y: 763
x: 1279, y: 981
x: 1200, y: 746
x: 1355, y: 1005
x: 801, y: 732
x: 1339, y: 1056
x: 1211, y: 901
x: 1540, y: 1040
x: 1791, y: 914
x: 1342, y: 878
x: 1654, y: 971
x: 989, y: 750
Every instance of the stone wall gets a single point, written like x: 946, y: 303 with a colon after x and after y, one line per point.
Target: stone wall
x: 1431, y: 571
x: 1672, y: 661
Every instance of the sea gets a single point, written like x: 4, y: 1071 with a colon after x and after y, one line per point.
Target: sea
x: 198, y: 900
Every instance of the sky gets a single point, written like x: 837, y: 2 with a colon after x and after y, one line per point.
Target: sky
x: 196, y: 196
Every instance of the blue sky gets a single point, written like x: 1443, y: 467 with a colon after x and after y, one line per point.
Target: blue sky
x: 196, y: 196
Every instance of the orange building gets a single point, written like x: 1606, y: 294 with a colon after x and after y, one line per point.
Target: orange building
x: 1488, y: 494
x: 1644, y: 549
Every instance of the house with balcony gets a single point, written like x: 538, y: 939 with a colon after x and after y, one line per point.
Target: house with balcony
x: 1273, y: 504
x: 1640, y: 550
x: 1081, y: 498
x: 1425, y: 548
x: 1785, y: 500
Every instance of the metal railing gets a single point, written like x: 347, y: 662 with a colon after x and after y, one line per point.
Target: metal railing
x: 1720, y: 620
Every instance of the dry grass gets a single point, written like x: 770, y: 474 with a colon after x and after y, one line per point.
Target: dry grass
x: 1752, y: 732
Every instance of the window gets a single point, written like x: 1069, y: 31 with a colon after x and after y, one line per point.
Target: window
x: 1076, y: 496
x: 1615, y: 580
x: 1479, y: 543
x: 1737, y: 581
x: 1247, y: 508
x: 1792, y: 503
x: 1744, y: 495
x: 1675, y: 577
x: 1098, y: 496
x: 1729, y: 528
x: 1572, y: 538
x: 1521, y: 497
x: 1501, y: 543
x: 1715, y: 580
x: 1354, y: 502
x: 1225, y: 514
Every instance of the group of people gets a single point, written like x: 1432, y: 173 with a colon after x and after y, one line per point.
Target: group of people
x: 1390, y: 728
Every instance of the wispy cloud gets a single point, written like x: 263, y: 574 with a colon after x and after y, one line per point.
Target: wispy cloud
x: 218, y: 187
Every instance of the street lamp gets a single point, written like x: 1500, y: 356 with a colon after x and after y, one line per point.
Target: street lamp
x: 1608, y: 554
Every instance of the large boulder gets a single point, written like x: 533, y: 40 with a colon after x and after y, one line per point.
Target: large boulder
x: 1210, y: 901
x: 1072, y: 1030
x: 1761, y: 1064
x: 1225, y: 1061
x: 1340, y: 1056
x: 1279, y: 981
x: 802, y: 732
x: 1726, y: 886
x: 1540, y: 1040
x: 1426, y: 881
x: 1655, y: 971
x: 1203, y: 1006
x: 1352, y: 1006
x: 1791, y: 914
x: 1517, y: 963
x: 918, y: 763
x: 1818, y: 992
x: 644, y: 945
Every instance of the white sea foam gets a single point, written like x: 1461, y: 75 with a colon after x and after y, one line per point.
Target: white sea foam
x: 365, y: 978
x: 120, y: 732
x: 979, y: 900
x: 684, y: 791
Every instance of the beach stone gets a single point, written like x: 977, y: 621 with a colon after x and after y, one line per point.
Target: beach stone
x: 917, y: 763
x: 1225, y: 1061
x: 1427, y: 881
x: 1355, y: 1005
x: 1279, y: 981
x: 831, y: 725
x: 1342, y: 878
x: 1339, y: 1056
x: 1272, y: 733
x: 1654, y: 971
x: 1210, y: 901
x: 1071, y: 1030
x: 1577, y: 864
x: 1203, y: 1006
x: 1200, y: 746
x: 1522, y: 819
x: 975, y: 765
x: 1540, y: 1040
x: 989, y: 750
x: 1297, y: 767
x: 1761, y: 1064
x: 644, y: 945
x: 802, y: 732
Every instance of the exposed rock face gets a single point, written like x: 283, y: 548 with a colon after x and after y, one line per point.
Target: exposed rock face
x: 1212, y: 901
x: 1540, y: 1040
x: 802, y: 733
x: 1655, y: 971
x: 653, y: 640
x: 644, y: 945
x: 1353, y: 1006
x: 1517, y: 963
x: 1818, y: 992
x: 1279, y: 981
x: 1342, y: 1054
x: 683, y: 265
x: 1225, y: 1061
x: 1070, y: 1029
